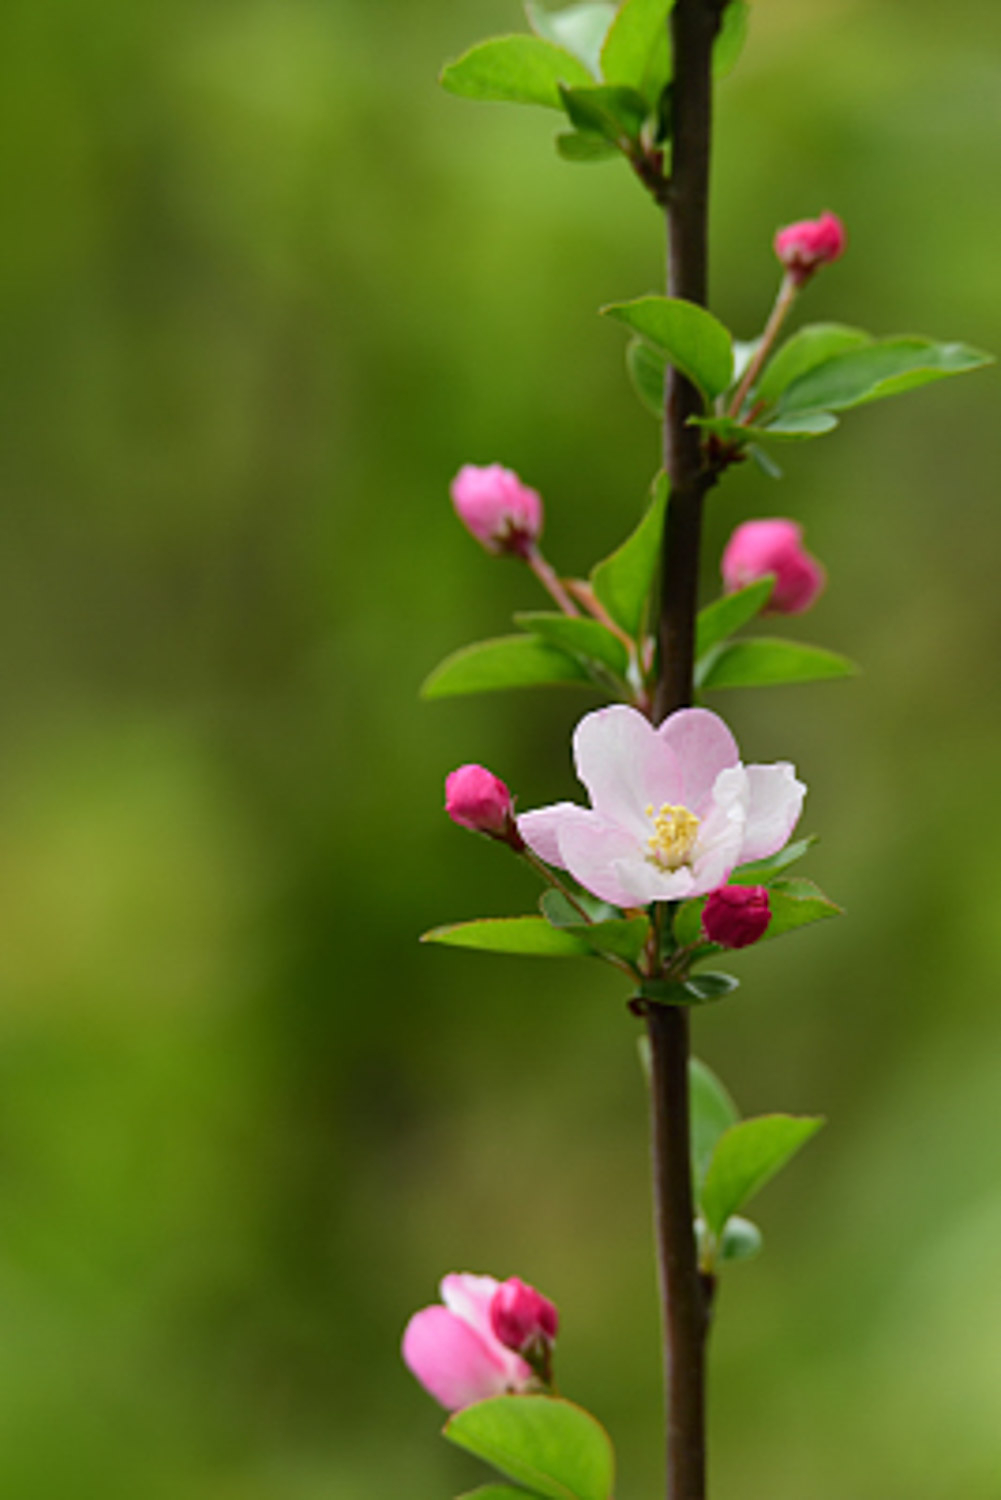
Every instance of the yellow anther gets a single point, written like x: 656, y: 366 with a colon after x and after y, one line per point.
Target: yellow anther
x: 675, y: 830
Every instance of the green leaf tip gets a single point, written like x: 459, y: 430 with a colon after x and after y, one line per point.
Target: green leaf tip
x: 623, y: 581
x: 688, y: 336
x: 512, y: 661
x: 747, y: 1156
x: 515, y: 70
x: 530, y: 936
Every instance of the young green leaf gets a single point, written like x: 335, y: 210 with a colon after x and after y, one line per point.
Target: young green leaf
x: 623, y: 937
x: 584, y: 146
x: 617, y: 114
x: 557, y: 1449
x: 729, y: 43
x: 581, y: 29
x: 810, y: 346
x: 688, y: 922
x: 746, y: 1157
x: 624, y: 580
x: 645, y: 367
x: 692, y: 340
x: 763, y: 871
x: 727, y: 614
x: 515, y: 69
x: 797, y: 903
x: 698, y: 989
x: 528, y: 935
x: 636, y: 51
x: 877, y: 370
x: 794, y: 427
x: 741, y: 1240
x: 765, y: 662
x: 712, y: 1113
x: 586, y: 638
x: 510, y: 661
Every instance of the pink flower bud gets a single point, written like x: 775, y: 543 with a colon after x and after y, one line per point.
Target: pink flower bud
x: 775, y: 546
x: 806, y: 246
x: 477, y: 799
x: 736, y: 915
x: 500, y: 511
x: 453, y: 1351
x: 521, y: 1318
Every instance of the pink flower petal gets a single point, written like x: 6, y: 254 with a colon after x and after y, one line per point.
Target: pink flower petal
x: 594, y: 850
x: 626, y: 766
x: 469, y: 1298
x: 451, y: 1360
x: 721, y: 837
x: 776, y: 801
x: 704, y: 747
x: 540, y: 829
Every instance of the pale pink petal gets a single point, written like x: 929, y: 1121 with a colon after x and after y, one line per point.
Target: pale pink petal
x: 776, y: 801
x: 625, y: 765
x: 591, y: 849
x: 704, y: 747
x: 540, y: 829
x: 718, y: 847
x: 647, y: 882
x: 451, y: 1360
x: 469, y: 1298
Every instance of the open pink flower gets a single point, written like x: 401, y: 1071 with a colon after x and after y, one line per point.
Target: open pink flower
x: 453, y: 1350
x: 673, y: 810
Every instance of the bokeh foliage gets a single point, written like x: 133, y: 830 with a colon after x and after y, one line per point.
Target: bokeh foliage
x: 263, y: 288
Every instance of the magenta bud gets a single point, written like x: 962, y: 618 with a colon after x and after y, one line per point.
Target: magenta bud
x: 806, y: 246
x: 477, y: 799
x: 735, y: 916
x: 775, y: 546
x: 522, y: 1319
x: 500, y: 511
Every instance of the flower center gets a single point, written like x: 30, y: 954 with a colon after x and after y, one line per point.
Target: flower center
x: 675, y: 830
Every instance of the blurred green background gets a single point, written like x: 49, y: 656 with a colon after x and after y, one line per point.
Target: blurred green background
x: 264, y: 287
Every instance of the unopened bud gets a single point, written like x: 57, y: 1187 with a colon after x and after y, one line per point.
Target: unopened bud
x: 775, y: 546
x: 811, y: 243
x: 735, y: 916
x: 501, y: 512
x: 477, y: 799
x: 522, y: 1319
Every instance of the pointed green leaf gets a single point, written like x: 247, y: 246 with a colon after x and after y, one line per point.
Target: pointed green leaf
x: 810, y: 346
x: 763, y: 871
x: 508, y: 662
x: 746, y: 1157
x: 880, y: 369
x: 692, y: 340
x: 624, y: 580
x: 588, y: 638
x: 530, y: 935
x: 645, y: 367
x: 797, y: 903
x: 515, y: 69
x: 616, y: 113
x: 636, y: 50
x: 727, y: 614
x: 765, y: 662
x: 623, y: 937
x: 712, y: 1113
x: 794, y: 427
x: 688, y: 922
x: 554, y: 1447
x: 741, y: 1240
x: 580, y: 29
x: 698, y: 989
x: 584, y: 146
x: 729, y: 44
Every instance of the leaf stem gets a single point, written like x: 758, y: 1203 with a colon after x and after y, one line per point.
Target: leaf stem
x: 779, y: 313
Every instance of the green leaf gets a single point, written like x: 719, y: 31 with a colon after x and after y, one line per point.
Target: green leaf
x: 637, y: 51
x: 746, y: 1157
x: 712, y: 1112
x: 530, y: 935
x: 741, y: 1240
x: 693, y: 340
x: 765, y: 662
x: 729, y: 43
x: 727, y: 614
x: 646, y: 367
x: 580, y: 145
x: 515, y: 69
x: 580, y: 29
x: 624, y: 580
x: 587, y: 638
x: 616, y: 113
x: 797, y: 903
x: 698, y: 989
x: 763, y: 871
x: 811, y: 346
x: 554, y: 1447
x: 497, y: 1492
x: 624, y: 937
x: 510, y: 661
x: 688, y: 922
x: 796, y: 427
x: 879, y: 369
x: 764, y: 461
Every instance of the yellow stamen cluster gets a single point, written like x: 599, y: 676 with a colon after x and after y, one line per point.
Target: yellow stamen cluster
x: 675, y: 830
